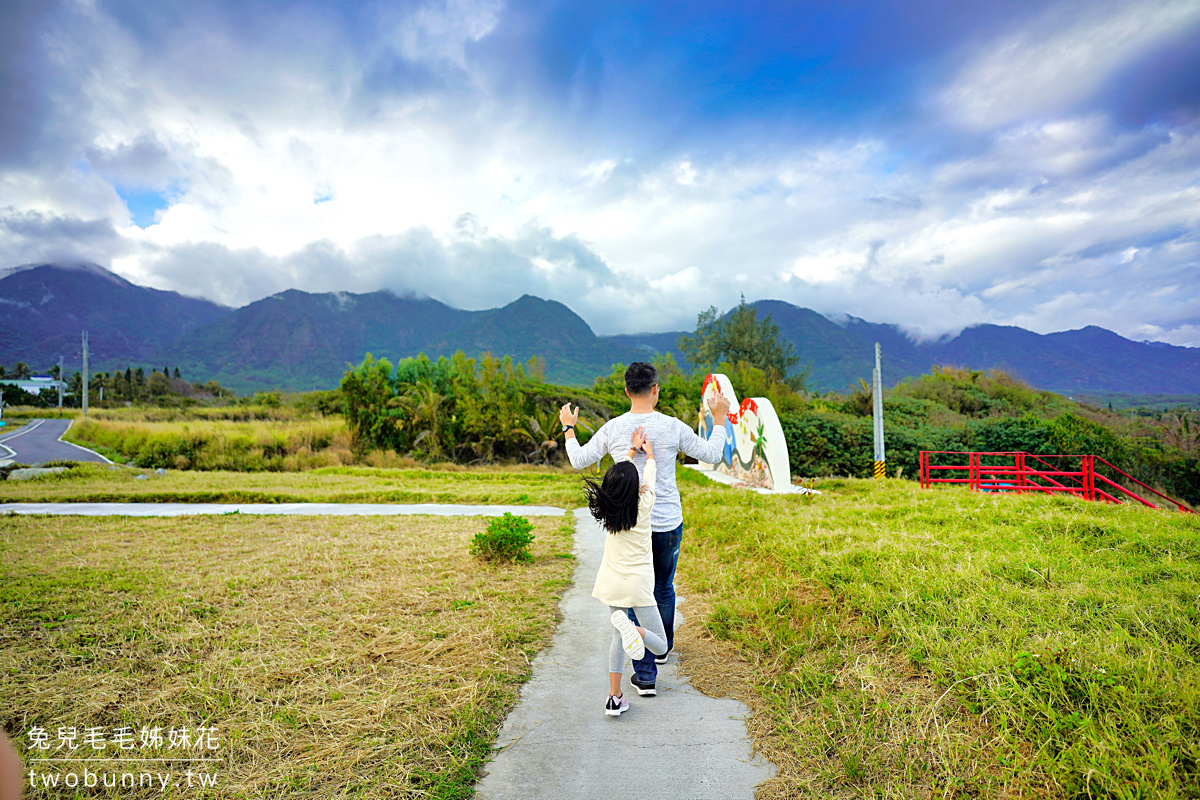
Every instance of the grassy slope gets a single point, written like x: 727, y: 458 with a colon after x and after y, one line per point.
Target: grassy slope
x: 908, y: 642
x: 371, y: 658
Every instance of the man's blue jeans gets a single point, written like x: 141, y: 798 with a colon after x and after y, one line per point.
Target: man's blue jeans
x: 665, y: 546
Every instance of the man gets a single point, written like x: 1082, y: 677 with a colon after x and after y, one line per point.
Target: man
x: 668, y: 436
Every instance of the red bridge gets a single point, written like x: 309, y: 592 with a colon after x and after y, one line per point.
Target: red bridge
x: 1089, y: 477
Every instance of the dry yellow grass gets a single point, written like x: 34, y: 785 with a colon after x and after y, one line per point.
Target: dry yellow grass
x: 93, y: 483
x: 356, y: 657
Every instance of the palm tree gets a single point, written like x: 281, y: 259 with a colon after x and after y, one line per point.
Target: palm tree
x: 543, y: 431
x: 426, y: 405
x: 861, y: 399
x: 21, y: 371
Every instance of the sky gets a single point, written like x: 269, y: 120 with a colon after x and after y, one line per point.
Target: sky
x: 934, y: 164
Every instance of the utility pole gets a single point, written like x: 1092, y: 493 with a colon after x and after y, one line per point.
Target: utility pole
x: 85, y: 374
x: 877, y: 397
x: 60, y: 383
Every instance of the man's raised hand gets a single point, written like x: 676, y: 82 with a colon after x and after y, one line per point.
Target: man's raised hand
x: 566, y: 416
x: 719, y: 406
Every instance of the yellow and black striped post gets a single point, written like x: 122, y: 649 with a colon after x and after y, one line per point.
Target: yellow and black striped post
x: 880, y: 470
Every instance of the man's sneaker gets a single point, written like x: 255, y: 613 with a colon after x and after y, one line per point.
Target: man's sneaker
x: 616, y: 706
x: 663, y: 658
x: 643, y: 689
x: 630, y: 638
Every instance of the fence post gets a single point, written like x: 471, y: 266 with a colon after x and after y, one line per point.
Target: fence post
x: 1020, y: 458
x: 1089, y: 480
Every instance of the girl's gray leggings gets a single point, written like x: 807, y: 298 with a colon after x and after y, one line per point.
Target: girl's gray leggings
x: 655, y: 638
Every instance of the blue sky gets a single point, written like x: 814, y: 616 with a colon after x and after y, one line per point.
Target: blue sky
x: 930, y: 164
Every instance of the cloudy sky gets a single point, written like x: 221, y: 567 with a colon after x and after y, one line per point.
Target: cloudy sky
x: 930, y: 163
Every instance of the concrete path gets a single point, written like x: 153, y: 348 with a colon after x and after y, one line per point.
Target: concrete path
x: 151, y: 509
x: 41, y: 441
x: 558, y: 743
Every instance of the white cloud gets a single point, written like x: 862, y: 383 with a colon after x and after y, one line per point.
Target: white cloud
x: 1059, y: 60
x: 288, y: 166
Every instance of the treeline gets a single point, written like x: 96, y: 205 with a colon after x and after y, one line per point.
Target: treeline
x: 970, y: 410
x: 459, y: 409
x: 472, y: 411
x: 485, y: 410
x: 133, y: 385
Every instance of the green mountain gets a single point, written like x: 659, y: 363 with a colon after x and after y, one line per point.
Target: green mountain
x: 295, y: 340
x: 1087, y: 361
x: 45, y: 307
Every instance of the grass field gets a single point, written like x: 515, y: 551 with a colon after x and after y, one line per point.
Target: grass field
x: 477, y: 485
x: 897, y: 642
x: 371, y: 657
x: 891, y: 641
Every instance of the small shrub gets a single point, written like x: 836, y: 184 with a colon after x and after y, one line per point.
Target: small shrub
x: 507, y: 538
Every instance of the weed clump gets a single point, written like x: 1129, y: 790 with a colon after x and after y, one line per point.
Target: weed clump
x: 507, y: 538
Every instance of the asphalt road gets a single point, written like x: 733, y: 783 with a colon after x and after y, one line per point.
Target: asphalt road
x: 39, y: 442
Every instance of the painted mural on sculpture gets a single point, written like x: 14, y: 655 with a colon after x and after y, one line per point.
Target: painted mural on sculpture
x: 755, y: 450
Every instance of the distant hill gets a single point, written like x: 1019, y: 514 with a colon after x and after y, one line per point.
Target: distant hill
x: 295, y: 340
x: 44, y: 307
x: 1087, y: 361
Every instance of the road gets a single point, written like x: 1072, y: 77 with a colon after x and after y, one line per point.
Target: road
x: 40, y: 441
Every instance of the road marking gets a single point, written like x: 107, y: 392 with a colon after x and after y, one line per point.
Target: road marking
x: 84, y: 449
x: 23, y: 431
x: 36, y: 424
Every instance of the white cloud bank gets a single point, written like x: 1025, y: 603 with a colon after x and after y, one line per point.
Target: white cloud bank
x: 291, y: 153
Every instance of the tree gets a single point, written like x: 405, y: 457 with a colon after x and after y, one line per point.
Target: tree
x: 21, y: 371
x: 425, y: 405
x: 158, y: 384
x: 371, y: 417
x: 739, y: 336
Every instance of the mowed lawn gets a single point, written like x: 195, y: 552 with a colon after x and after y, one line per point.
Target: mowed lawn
x: 900, y: 642
x: 349, y: 657
x: 449, y: 484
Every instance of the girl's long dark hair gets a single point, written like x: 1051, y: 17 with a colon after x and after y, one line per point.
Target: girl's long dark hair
x: 614, y: 503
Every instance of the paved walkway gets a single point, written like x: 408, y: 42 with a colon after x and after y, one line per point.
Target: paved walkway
x: 557, y: 742
x: 151, y: 509
x: 41, y: 441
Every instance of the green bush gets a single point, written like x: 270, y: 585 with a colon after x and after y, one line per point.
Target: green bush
x: 507, y: 538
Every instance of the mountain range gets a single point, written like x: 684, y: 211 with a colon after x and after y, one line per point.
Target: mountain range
x: 296, y: 340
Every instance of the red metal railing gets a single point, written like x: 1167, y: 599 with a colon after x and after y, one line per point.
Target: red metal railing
x: 1021, y: 472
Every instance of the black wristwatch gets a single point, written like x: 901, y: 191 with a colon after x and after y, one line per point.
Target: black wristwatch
x: 568, y: 428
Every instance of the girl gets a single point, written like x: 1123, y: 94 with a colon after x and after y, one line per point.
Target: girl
x: 626, y: 577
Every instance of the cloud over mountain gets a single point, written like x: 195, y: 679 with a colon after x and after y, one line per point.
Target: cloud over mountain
x: 933, y: 166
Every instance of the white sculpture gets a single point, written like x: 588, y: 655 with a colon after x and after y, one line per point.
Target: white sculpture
x: 755, y: 450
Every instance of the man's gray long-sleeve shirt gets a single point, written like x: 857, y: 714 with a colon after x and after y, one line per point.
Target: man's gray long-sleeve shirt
x: 668, y: 436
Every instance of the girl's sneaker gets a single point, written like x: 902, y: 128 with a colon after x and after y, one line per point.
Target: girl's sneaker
x: 616, y: 706
x: 630, y: 638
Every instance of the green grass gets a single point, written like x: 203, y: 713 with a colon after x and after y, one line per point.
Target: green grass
x: 918, y: 643
x: 483, y: 485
